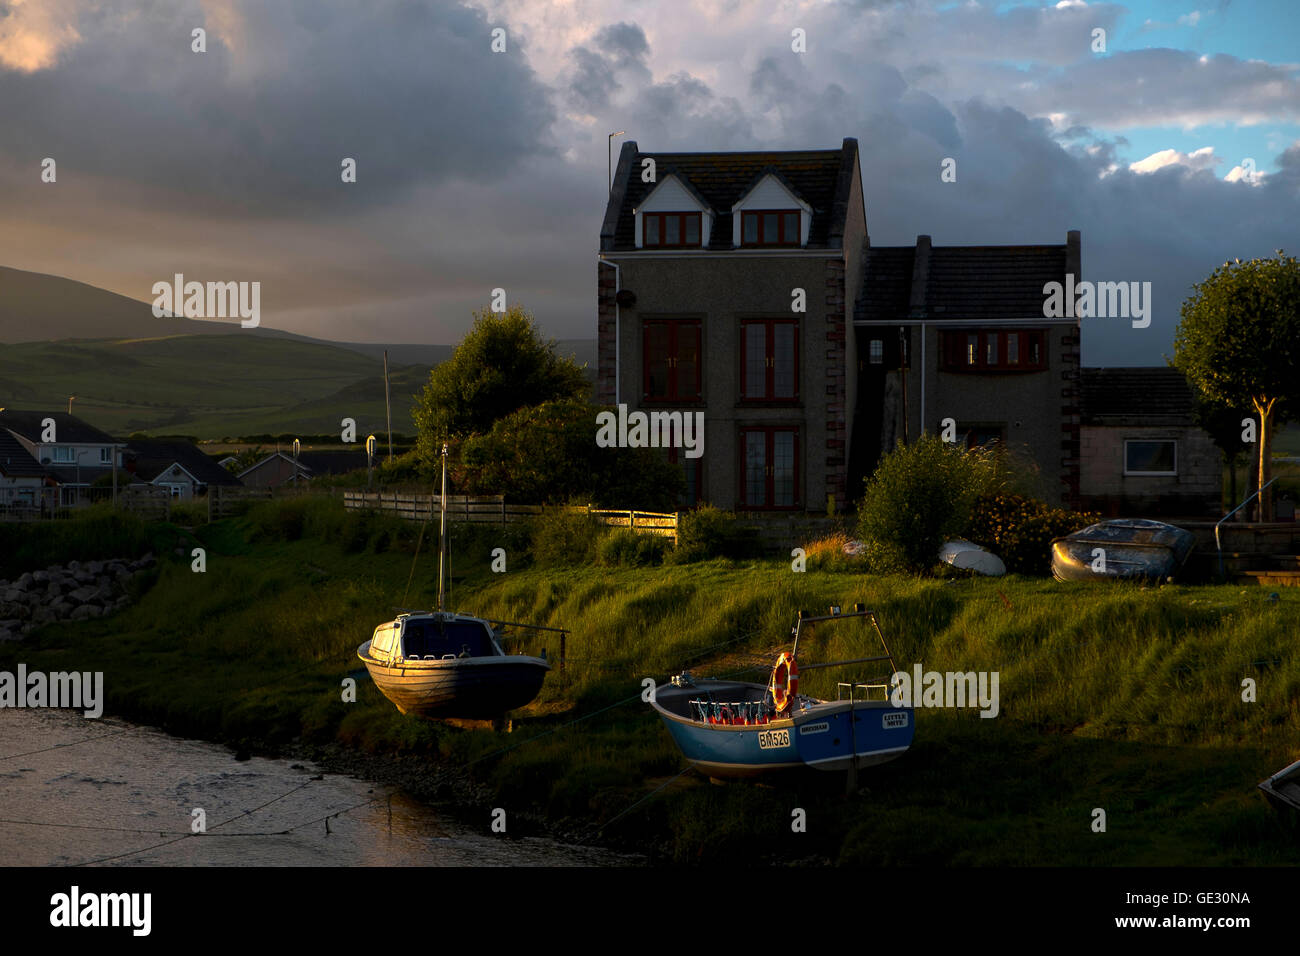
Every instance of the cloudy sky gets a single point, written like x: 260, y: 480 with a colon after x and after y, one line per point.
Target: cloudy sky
x: 1176, y: 148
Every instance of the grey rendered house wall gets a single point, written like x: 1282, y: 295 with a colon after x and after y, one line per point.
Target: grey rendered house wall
x: 721, y: 290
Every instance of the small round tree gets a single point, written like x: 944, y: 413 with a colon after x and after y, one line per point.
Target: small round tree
x: 1239, y: 345
x: 501, y: 366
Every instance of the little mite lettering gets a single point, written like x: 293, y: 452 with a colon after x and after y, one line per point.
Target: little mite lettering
x: 74, y: 909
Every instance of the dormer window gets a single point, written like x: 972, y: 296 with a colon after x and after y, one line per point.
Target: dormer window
x: 771, y: 227
x: 668, y: 230
x: 770, y: 214
x: 673, y: 215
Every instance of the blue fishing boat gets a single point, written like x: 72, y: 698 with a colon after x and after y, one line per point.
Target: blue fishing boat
x: 729, y: 728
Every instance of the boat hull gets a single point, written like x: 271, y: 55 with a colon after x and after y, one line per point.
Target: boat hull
x: 826, y: 735
x: 1134, y: 549
x: 474, y: 688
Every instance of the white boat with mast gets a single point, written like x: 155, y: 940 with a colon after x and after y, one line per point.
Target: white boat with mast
x: 443, y: 664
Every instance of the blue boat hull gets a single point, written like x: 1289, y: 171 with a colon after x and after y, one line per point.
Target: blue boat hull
x: 824, y: 735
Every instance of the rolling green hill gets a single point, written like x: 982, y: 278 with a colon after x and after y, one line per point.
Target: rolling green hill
x: 133, y: 372
x: 210, y: 386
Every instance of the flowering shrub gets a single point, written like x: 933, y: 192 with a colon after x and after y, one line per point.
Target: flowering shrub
x: 1019, y: 530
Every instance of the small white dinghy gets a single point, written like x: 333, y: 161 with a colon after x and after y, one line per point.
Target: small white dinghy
x: 969, y: 556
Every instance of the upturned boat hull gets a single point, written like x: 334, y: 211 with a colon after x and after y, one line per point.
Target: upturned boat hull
x: 474, y: 688
x: 1122, y: 549
x: 823, y: 735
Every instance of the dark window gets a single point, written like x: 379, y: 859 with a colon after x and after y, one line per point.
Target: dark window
x: 980, y: 436
x: 770, y: 227
x: 770, y: 470
x: 994, y: 350
x: 877, y: 352
x: 671, y: 354
x: 1151, y: 457
x: 670, y: 229
x: 436, y: 639
x: 691, y: 470
x: 769, y: 360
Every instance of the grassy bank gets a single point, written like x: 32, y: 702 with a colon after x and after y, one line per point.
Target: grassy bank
x: 1112, y: 696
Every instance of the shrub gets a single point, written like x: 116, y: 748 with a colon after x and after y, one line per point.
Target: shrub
x: 564, y: 537
x: 921, y: 495
x: 189, y: 513
x: 1020, y: 530
x: 625, y: 547
x: 709, y: 532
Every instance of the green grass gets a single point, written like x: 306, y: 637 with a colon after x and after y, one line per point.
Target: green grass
x: 1112, y: 696
x: 209, y: 386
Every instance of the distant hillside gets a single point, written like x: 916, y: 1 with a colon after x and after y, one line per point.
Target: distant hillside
x: 35, y: 307
x: 131, y: 372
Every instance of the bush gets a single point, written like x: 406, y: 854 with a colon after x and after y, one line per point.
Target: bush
x: 625, y: 547
x: 1020, y: 530
x: 828, y: 554
x: 709, y: 532
x: 921, y: 495
x: 189, y: 513
x: 564, y: 537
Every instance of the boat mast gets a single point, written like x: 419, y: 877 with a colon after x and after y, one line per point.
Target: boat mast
x: 442, y: 527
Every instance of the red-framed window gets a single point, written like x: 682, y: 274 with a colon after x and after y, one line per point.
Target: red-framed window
x: 994, y: 350
x: 769, y: 360
x: 691, y: 469
x: 670, y: 230
x: 671, y: 356
x: 769, y: 471
x: 770, y: 227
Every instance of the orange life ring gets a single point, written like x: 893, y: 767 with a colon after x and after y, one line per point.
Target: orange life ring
x: 785, y: 681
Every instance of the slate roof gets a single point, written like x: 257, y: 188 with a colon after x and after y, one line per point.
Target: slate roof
x: 822, y: 178
x: 1135, y: 396
x: 15, y: 460
x: 983, y: 283
x: 149, y: 458
x: 67, y: 428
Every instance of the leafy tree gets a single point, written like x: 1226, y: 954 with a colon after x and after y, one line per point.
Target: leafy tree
x: 1223, y: 425
x: 547, y: 454
x: 1239, y: 345
x: 502, y: 365
x: 921, y: 495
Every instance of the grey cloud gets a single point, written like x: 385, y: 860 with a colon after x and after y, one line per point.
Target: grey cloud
x: 410, y: 90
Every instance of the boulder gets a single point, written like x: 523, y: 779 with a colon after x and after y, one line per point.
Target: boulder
x: 84, y: 594
x: 81, y: 613
x: 40, y: 577
x: 24, y: 581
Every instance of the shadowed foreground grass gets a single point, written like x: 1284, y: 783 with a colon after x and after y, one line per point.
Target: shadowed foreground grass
x: 1112, y: 697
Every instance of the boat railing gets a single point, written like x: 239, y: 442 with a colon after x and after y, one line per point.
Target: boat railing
x: 852, y: 688
x: 1218, y: 544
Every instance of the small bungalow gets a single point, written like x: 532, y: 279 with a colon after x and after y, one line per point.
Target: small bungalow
x: 1141, y: 452
x: 281, y: 468
x: 178, y: 466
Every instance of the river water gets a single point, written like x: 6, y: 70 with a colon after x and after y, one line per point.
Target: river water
x: 76, y: 791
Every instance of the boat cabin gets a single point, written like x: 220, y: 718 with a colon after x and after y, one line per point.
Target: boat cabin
x: 433, y: 637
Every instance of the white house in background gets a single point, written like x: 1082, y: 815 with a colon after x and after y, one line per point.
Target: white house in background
x: 72, y: 452
x: 178, y: 466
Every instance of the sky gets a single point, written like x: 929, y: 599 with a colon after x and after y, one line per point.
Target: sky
x: 1172, y: 141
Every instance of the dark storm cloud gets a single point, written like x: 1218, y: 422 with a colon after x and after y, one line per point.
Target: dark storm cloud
x: 617, y: 50
x: 260, y: 122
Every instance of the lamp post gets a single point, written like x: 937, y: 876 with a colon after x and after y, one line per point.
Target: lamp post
x: 70, y: 398
x: 297, y: 447
x: 609, y: 162
x: 370, y: 458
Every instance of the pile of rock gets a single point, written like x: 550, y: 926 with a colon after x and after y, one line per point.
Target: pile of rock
x: 73, y: 592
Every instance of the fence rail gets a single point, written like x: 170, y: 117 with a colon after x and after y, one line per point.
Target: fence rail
x: 494, y: 509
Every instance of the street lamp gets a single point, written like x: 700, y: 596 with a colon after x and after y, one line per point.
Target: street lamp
x: 609, y: 163
x: 70, y: 398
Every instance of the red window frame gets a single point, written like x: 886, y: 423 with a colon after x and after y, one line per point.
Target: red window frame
x: 957, y: 345
x: 782, y: 226
x: 661, y: 220
x: 676, y: 329
x: 769, y: 468
x: 769, y: 360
